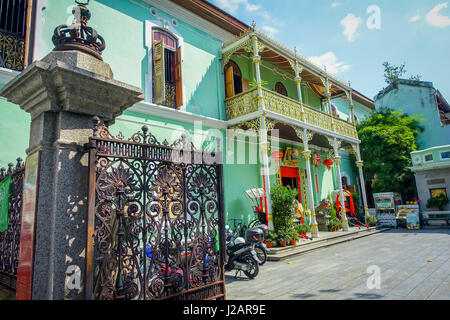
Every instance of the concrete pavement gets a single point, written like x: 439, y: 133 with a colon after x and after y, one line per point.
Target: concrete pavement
x: 412, y: 264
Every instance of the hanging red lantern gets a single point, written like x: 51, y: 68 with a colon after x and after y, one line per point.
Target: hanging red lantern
x: 277, y: 155
x: 328, y: 163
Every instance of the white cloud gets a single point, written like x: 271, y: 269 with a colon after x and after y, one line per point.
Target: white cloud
x: 414, y: 19
x: 330, y: 61
x: 351, y: 24
x: 271, y: 31
x: 435, y: 19
x: 335, y: 4
x: 233, y: 5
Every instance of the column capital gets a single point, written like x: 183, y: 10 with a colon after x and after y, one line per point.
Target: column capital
x: 256, y: 59
x: 337, y: 160
x: 298, y: 80
x: 360, y: 164
x: 307, y: 155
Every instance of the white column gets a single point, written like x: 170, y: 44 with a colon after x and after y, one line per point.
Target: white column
x: 298, y: 82
x: 256, y: 61
x: 352, y: 108
x: 337, y: 161
x: 360, y: 164
x: 265, y: 174
x: 307, y: 156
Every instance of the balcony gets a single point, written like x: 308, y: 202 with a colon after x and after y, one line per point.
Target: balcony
x: 246, y: 103
x: 14, y: 28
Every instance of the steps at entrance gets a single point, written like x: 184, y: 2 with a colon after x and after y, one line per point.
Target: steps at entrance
x: 277, y: 254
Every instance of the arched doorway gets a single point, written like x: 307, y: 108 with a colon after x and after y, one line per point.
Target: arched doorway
x: 281, y: 89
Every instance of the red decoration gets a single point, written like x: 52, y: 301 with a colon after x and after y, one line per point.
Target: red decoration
x: 316, y: 160
x: 328, y: 163
x: 277, y: 155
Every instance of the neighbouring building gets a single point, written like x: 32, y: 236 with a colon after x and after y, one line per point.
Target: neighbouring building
x: 207, y: 74
x: 431, y: 164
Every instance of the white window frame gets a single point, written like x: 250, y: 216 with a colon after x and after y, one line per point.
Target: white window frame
x: 162, y: 24
x: 440, y: 155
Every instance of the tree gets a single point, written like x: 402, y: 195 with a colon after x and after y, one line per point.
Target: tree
x: 392, y: 73
x: 387, y: 139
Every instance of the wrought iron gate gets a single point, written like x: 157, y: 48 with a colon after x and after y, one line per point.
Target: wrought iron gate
x: 10, y: 239
x: 156, y: 223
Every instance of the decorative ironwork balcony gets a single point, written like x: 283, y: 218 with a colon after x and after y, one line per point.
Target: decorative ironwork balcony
x: 12, y: 51
x: 247, y: 102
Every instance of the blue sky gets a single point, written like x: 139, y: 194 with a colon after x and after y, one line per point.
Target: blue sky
x: 354, y: 37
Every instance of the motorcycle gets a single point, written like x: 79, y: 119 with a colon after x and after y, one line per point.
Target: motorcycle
x: 242, y: 256
x: 260, y: 247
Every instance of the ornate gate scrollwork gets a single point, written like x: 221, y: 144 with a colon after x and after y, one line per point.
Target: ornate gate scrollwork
x: 156, y: 216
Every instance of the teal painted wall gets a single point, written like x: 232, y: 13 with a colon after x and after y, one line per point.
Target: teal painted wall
x: 122, y: 24
x: 361, y: 112
x: 418, y: 100
x: 14, y: 132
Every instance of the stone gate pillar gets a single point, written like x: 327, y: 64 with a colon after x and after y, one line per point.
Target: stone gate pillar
x: 62, y: 92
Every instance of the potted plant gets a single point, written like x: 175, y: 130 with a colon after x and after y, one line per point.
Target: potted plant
x: 371, y: 221
x: 439, y: 202
x: 335, y: 224
x: 302, y: 229
x: 283, y: 237
x: 271, y: 238
x: 294, y: 236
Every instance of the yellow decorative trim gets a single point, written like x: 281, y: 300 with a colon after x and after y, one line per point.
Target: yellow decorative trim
x: 247, y: 102
x: 360, y: 164
x: 337, y: 160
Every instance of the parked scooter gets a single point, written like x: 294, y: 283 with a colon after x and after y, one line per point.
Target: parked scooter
x: 260, y: 246
x: 242, y: 255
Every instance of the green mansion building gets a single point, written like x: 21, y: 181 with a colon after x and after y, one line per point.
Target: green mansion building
x: 207, y: 74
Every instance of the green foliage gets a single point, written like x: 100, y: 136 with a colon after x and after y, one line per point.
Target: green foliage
x: 284, y: 235
x: 332, y: 208
x: 334, y: 223
x: 387, y: 139
x: 272, y: 236
x: 439, y: 202
x: 282, y: 206
x: 371, y: 221
x: 293, y: 233
x: 392, y: 73
x: 302, y: 228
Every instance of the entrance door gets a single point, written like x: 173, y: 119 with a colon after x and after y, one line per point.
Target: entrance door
x: 290, y: 177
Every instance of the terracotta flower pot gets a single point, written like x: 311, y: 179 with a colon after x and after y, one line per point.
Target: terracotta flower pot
x: 293, y: 242
x: 269, y: 244
x: 282, y: 243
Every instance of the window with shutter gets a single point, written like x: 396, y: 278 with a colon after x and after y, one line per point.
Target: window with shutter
x: 167, y: 79
x: 233, y: 79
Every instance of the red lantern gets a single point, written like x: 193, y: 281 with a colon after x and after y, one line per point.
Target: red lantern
x: 277, y: 155
x: 328, y: 163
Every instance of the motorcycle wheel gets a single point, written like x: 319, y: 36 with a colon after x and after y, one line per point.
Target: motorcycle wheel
x: 253, y: 269
x: 262, y: 254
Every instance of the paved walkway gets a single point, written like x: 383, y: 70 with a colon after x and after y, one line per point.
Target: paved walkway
x: 412, y: 264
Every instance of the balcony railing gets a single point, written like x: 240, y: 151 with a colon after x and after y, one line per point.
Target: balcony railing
x: 12, y: 51
x: 247, y: 102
